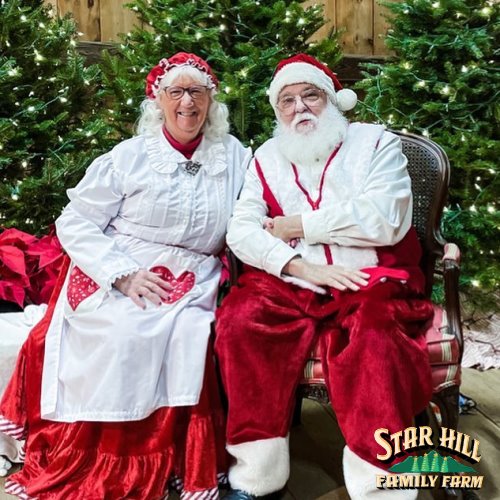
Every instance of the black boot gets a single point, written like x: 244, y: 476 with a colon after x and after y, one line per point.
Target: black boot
x: 239, y: 495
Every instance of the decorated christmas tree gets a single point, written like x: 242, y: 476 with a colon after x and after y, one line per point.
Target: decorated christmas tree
x: 50, y: 127
x: 444, y: 82
x: 241, y: 40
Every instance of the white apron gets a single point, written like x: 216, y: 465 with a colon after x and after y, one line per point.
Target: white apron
x: 105, y: 358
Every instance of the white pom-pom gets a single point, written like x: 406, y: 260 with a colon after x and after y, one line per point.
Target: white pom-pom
x: 346, y: 99
x: 5, y: 466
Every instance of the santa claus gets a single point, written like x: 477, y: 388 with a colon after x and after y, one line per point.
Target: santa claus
x: 324, y: 225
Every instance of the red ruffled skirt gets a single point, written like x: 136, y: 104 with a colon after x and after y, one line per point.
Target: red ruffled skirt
x: 180, y: 446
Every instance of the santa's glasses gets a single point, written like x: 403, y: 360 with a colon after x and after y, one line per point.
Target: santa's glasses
x: 196, y: 92
x: 310, y: 98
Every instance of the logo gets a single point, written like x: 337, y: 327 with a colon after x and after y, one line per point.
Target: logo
x: 432, y: 468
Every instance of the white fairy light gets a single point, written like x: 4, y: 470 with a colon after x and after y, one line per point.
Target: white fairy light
x: 421, y: 83
x: 41, y: 25
x: 12, y: 72
x: 227, y: 89
x: 425, y: 132
x: 406, y: 65
x: 436, y: 5
x: 72, y: 43
x: 130, y: 101
x: 491, y: 209
x: 486, y: 11
x: 24, y: 163
x: 475, y: 283
x: 477, y: 186
x: 23, y: 18
x: 31, y: 109
x: 63, y: 99
x: 301, y: 21
x: 38, y: 56
x: 405, y: 131
x: 198, y: 35
x: 15, y: 197
x: 222, y: 27
x: 465, y: 69
x: 89, y: 133
x: 445, y: 90
x: 472, y: 208
x: 169, y: 20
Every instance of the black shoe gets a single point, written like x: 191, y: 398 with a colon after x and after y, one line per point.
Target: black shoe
x: 239, y: 495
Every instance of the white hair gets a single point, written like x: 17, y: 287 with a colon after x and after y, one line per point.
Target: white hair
x: 314, y: 144
x: 152, y: 118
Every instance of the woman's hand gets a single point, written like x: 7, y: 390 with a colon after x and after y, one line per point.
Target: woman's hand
x: 288, y: 229
x: 337, y: 277
x: 143, y: 284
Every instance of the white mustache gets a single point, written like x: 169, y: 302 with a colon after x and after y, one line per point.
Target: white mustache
x: 303, y: 116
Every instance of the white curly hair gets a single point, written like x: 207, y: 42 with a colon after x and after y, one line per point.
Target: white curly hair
x: 152, y: 118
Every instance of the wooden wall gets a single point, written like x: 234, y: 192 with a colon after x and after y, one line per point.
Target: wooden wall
x: 362, y: 21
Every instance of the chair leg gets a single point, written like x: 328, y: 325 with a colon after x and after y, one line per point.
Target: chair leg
x: 297, y: 411
x: 447, y: 401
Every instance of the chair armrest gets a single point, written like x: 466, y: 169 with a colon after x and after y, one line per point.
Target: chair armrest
x: 235, y: 267
x: 451, y: 273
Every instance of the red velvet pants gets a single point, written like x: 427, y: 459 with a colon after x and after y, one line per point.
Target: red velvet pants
x: 374, y: 357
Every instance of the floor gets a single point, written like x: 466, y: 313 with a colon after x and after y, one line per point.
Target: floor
x: 316, y: 445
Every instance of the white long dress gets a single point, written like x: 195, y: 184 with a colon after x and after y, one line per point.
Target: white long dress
x: 139, y: 207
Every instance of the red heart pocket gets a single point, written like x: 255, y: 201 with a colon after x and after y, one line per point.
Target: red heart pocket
x: 80, y: 286
x: 181, y: 284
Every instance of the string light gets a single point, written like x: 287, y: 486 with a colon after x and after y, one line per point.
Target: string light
x: 445, y: 90
x: 465, y: 69
x: 436, y: 5
x: 475, y: 283
x: 227, y: 89
x: 421, y: 83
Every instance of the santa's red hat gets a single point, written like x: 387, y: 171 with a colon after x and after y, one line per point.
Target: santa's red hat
x: 180, y: 59
x: 303, y: 68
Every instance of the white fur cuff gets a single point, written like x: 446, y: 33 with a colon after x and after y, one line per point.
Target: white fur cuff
x: 360, y: 480
x: 261, y: 467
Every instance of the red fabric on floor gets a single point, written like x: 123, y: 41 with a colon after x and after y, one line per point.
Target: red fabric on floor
x: 97, y: 461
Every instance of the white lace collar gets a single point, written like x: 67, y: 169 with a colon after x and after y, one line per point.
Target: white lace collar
x: 166, y: 159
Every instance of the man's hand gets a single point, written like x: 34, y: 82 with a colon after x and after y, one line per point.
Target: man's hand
x: 145, y: 284
x: 285, y: 228
x: 337, y: 277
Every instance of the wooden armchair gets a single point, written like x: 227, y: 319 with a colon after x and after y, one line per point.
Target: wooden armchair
x: 429, y: 170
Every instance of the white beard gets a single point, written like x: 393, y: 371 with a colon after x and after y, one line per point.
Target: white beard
x: 314, y: 142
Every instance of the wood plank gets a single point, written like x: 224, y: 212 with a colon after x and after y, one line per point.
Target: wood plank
x: 116, y: 19
x: 483, y: 388
x: 488, y: 434
x: 86, y: 15
x: 329, y: 14
x: 380, y: 27
x: 356, y: 17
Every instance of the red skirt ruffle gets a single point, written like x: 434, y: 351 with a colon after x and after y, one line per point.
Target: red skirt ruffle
x: 111, y: 461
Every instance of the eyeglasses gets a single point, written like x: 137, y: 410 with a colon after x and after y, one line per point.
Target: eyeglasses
x: 196, y: 92
x: 310, y: 97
